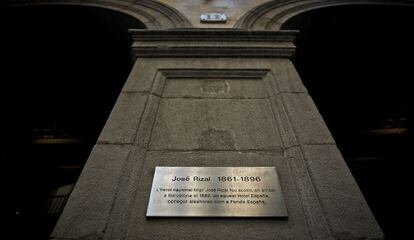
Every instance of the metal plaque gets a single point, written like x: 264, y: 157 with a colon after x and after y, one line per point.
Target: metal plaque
x: 213, y: 17
x: 216, y: 192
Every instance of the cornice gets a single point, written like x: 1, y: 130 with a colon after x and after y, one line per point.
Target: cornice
x: 212, y: 43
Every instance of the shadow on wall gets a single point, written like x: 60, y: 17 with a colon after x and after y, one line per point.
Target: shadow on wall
x: 62, y: 68
x: 355, y: 62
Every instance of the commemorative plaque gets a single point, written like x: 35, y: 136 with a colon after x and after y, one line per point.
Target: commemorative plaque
x: 216, y: 192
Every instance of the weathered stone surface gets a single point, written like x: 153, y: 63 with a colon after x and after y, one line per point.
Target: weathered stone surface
x: 90, y: 204
x: 305, y: 119
x: 221, y: 43
x: 121, y: 212
x: 205, y: 111
x: 234, y: 9
x: 147, y: 123
x: 219, y: 124
x: 194, y: 63
x: 141, y: 78
x: 287, y: 77
x: 125, y: 117
x: 343, y: 204
x: 315, y: 218
x: 211, y: 158
x: 287, y: 134
x: 214, y: 88
x: 282, y: 76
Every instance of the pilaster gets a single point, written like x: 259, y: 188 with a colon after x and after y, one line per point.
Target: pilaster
x: 215, y: 97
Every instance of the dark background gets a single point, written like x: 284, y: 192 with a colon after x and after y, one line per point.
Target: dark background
x: 357, y: 64
x: 62, y: 68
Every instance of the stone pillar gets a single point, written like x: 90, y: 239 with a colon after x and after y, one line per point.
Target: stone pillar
x: 215, y: 98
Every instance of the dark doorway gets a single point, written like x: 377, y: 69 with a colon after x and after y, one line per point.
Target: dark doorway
x: 356, y: 62
x: 62, y: 68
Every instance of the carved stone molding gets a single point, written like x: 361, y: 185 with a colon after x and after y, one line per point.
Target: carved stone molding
x: 153, y: 14
x: 272, y: 15
x: 212, y: 43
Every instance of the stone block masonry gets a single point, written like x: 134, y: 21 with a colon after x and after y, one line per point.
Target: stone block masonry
x: 232, y: 99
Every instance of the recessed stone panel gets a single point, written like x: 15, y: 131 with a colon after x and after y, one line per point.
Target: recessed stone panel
x: 215, y: 124
x: 214, y: 88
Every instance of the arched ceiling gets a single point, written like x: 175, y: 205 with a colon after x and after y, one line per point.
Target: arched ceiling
x: 153, y: 14
x: 246, y: 14
x: 271, y: 15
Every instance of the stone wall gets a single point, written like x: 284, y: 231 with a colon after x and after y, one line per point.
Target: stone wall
x: 215, y: 98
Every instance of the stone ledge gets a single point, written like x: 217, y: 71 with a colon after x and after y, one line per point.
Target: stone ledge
x: 212, y: 43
